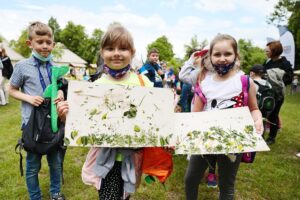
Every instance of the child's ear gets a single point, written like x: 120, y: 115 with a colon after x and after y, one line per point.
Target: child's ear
x: 54, y: 44
x: 29, y: 43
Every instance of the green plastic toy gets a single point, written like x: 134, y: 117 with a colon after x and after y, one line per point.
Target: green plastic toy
x: 51, y: 92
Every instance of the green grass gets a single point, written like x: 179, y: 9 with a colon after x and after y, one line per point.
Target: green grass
x: 273, y: 175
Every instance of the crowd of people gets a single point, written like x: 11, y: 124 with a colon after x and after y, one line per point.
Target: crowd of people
x: 210, y: 79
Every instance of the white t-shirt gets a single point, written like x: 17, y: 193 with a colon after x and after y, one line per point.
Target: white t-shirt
x: 219, y: 93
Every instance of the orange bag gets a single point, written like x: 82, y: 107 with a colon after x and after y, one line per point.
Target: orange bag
x: 157, y: 162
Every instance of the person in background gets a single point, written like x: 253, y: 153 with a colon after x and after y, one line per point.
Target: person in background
x: 273, y: 51
x: 32, y: 76
x: 295, y: 84
x: 2, y: 88
x: 151, y: 68
x: 7, y: 71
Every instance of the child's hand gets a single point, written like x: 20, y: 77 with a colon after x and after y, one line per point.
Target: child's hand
x: 35, y: 100
x: 259, y: 126
x: 60, y: 96
x: 62, y: 110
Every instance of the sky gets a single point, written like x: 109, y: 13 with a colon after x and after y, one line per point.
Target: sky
x: 178, y: 20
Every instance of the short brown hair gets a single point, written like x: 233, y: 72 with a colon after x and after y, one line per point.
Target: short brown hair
x: 275, y: 48
x: 116, y: 34
x: 39, y: 28
x: 153, y: 50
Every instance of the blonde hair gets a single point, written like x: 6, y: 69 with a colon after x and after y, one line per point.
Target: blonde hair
x: 115, y: 35
x: 39, y: 28
x: 3, y: 51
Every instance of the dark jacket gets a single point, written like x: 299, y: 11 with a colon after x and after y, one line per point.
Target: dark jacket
x: 283, y: 64
x: 7, y: 67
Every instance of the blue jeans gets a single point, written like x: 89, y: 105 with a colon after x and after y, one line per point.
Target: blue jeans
x: 186, y: 97
x: 33, y: 166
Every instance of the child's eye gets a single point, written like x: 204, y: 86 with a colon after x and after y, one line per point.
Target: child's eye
x: 216, y: 54
x: 228, y: 54
x: 108, y: 48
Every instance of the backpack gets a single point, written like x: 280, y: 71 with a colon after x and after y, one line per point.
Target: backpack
x: 275, y: 78
x: 37, y: 135
x: 247, y: 157
x: 265, y: 97
x: 7, y: 67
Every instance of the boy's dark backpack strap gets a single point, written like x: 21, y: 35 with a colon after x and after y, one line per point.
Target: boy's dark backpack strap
x: 256, y: 82
x: 18, y: 149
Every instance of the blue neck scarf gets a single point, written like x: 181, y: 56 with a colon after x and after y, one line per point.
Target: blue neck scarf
x: 117, y: 74
x: 41, y: 58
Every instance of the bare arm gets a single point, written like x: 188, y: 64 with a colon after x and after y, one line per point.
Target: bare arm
x: 255, y: 112
x: 198, y: 105
x: 17, y: 94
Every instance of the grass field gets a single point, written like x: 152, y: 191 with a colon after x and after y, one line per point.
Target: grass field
x: 274, y: 175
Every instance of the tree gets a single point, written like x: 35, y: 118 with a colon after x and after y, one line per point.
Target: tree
x: 164, y: 47
x: 250, y: 55
x: 288, y: 11
x: 92, y: 46
x: 176, y: 63
x: 57, y: 51
x: 52, y: 22
x: 1, y: 38
x: 194, y: 45
x: 20, y: 45
x: 73, y: 37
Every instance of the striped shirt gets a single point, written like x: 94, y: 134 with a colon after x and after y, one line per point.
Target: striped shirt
x: 26, y: 77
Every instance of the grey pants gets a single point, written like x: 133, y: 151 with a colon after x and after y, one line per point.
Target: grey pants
x: 227, y: 171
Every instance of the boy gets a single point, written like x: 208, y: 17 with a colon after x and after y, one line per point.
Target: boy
x: 32, y: 76
x: 264, y: 91
x: 151, y: 69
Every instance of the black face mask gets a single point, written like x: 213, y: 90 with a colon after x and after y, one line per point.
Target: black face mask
x: 223, y: 69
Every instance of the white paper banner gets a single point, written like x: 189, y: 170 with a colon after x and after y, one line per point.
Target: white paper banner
x: 118, y: 116
x: 125, y: 116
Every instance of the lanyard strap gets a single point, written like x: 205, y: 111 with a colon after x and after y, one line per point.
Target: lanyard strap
x: 42, y: 81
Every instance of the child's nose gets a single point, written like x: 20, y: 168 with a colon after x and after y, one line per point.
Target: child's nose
x: 45, y: 45
x: 117, y: 51
x: 223, y: 58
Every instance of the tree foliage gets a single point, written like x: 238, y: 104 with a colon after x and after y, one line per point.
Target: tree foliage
x: 194, y: 45
x: 1, y: 38
x: 73, y: 37
x: 92, y: 46
x: 52, y: 22
x: 288, y: 11
x: 176, y: 63
x: 164, y: 46
x: 250, y: 54
x: 20, y: 45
